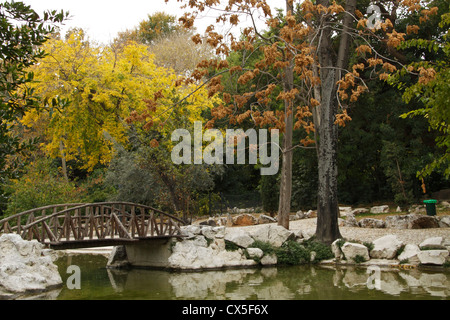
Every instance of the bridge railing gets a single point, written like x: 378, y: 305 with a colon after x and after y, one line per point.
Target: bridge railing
x: 95, y: 221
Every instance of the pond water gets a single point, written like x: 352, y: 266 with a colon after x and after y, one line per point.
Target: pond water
x: 280, y: 283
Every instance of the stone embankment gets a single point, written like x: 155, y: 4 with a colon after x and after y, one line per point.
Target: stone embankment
x: 25, y: 267
x: 206, y: 247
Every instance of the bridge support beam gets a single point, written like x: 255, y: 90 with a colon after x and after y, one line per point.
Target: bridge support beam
x: 153, y: 253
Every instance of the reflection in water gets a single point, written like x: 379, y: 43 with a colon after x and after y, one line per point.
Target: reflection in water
x: 284, y: 283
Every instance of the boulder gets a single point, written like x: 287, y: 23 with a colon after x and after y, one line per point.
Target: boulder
x: 344, y: 211
x: 351, y: 221
x: 397, y: 222
x: 432, y: 243
x: 385, y: 247
x: 263, y: 219
x: 337, y: 250
x: 255, y: 253
x: 245, y: 220
x: 410, y: 253
x: 372, y: 223
x: 189, y: 255
x: 24, y: 268
x: 434, y: 257
x: 300, y: 214
x: 444, y: 222
x: 310, y: 214
x: 352, y: 250
x: 191, y: 231
x: 411, y: 221
x: 417, y: 221
x: 359, y: 211
x: 269, y: 260
x: 379, y: 209
x: 273, y: 234
x: 213, y: 232
x: 239, y: 237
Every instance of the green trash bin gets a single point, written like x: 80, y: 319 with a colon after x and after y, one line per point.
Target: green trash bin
x: 431, y: 207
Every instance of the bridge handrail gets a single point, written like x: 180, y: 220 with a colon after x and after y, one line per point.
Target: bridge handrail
x: 81, y: 206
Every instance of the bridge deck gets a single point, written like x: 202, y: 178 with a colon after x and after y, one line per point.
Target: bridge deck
x: 75, y: 226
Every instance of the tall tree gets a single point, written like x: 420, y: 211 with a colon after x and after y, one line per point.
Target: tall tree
x: 309, y: 53
x: 23, y: 32
x: 102, y: 87
x: 430, y: 86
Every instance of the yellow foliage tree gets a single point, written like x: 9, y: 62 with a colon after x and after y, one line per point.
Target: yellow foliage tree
x: 89, y: 92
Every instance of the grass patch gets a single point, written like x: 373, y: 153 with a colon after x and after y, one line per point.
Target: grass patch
x: 294, y: 253
x: 266, y: 247
x: 369, y: 245
x: 359, y: 259
x: 231, y: 246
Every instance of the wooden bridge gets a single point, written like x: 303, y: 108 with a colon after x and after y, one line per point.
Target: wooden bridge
x: 78, y: 225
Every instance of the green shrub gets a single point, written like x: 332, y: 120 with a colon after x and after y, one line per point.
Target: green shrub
x: 359, y: 259
x: 293, y: 253
x: 231, y: 246
x: 369, y: 245
x: 266, y: 247
x: 323, y: 251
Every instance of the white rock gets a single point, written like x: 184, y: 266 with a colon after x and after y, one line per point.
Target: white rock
x: 352, y: 250
x: 344, y: 211
x: 308, y: 234
x: 410, y: 253
x: 269, y: 260
x: 379, y: 209
x: 266, y: 219
x: 351, y: 221
x: 436, y: 257
x: 359, y: 211
x: 219, y: 232
x: 189, y: 255
x: 309, y: 214
x: 213, y: 232
x: 372, y: 223
x: 337, y: 250
x: 23, y: 268
x: 200, y: 241
x: 300, y: 214
x: 239, y: 237
x: 385, y: 247
x: 255, y: 253
x: 444, y: 222
x: 273, y: 234
x: 433, y: 243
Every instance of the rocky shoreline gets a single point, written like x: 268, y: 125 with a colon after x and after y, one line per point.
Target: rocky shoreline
x: 25, y: 266
x: 205, y: 247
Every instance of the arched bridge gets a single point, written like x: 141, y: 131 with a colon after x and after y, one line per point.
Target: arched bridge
x: 78, y: 225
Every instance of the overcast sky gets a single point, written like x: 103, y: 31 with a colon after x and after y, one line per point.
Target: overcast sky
x: 103, y: 19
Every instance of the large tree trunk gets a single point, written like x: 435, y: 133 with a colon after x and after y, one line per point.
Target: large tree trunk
x: 284, y: 207
x: 327, y: 203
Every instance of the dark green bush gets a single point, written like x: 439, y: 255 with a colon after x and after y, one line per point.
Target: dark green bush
x: 293, y: 253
